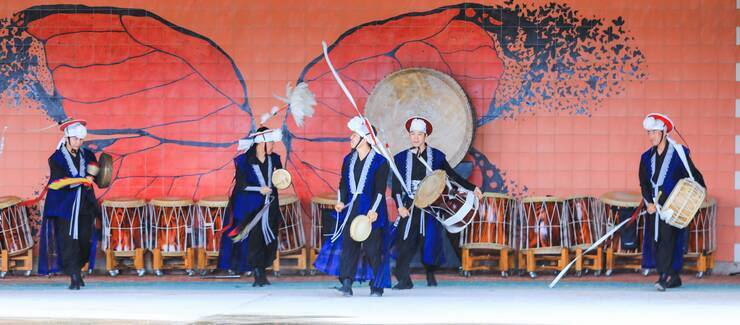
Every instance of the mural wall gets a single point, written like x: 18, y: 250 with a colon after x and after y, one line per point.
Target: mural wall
x: 558, y: 89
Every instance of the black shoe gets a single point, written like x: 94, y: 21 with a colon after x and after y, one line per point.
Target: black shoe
x: 404, y: 284
x: 264, y: 279
x: 661, y: 284
x: 431, y: 280
x: 674, y: 282
x: 82, y: 281
x: 346, y: 288
x: 376, y: 292
x: 74, y: 281
x: 257, y: 278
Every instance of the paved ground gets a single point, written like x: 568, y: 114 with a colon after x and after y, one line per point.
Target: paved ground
x: 620, y: 299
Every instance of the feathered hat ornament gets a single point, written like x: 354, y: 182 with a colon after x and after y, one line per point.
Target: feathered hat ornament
x: 300, y: 101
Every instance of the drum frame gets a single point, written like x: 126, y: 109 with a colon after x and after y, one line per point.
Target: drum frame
x: 21, y: 259
x: 616, y: 257
x: 594, y: 260
x: 179, y: 260
x: 114, y: 259
x: 207, y: 260
x: 701, y: 260
x: 498, y: 252
x: 290, y: 207
x: 534, y: 259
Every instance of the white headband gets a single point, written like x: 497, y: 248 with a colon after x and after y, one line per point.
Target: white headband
x: 357, y: 125
x: 76, y: 130
x: 275, y: 135
x: 418, y: 125
x: 652, y: 124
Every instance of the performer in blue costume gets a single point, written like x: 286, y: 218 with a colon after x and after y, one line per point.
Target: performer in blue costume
x: 361, y: 192
x: 419, y: 230
x: 661, y: 167
x: 70, y: 211
x: 249, y: 238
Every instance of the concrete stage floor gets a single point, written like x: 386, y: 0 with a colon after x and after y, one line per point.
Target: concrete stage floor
x: 620, y: 299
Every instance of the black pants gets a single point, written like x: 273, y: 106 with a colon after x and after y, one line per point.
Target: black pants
x: 75, y: 252
x: 352, y: 250
x: 454, y: 239
x: 664, y: 248
x: 261, y: 255
x: 407, y: 248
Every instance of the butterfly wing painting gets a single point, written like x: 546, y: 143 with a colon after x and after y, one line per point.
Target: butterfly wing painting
x: 167, y: 103
x: 512, y: 61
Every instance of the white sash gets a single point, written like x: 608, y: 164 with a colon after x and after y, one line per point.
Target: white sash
x: 355, y: 188
x: 74, y: 224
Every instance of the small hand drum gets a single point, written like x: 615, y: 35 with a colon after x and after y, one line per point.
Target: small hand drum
x: 281, y: 179
x: 360, y: 228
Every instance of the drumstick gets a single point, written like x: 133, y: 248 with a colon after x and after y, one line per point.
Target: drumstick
x: 378, y: 142
x: 596, y: 244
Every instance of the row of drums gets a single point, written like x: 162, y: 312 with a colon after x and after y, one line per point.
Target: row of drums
x: 549, y: 224
x: 173, y: 226
x: 16, y: 241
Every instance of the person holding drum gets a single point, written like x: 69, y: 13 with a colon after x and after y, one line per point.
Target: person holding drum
x: 361, y: 196
x: 417, y: 228
x: 249, y: 236
x: 661, y: 168
x: 71, y: 207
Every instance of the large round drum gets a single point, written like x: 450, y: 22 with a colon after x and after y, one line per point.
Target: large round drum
x: 428, y: 93
x: 291, y: 237
x: 323, y: 223
x: 15, y: 234
x: 494, y: 223
x: 211, y: 211
x: 702, y: 233
x: 171, y: 224
x: 619, y: 206
x: 540, y: 223
x: 584, y: 225
x: 454, y: 209
x: 124, y: 224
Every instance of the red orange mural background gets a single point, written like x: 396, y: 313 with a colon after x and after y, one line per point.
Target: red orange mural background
x: 179, y: 140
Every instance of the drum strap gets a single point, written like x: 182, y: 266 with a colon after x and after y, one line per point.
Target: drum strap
x: 661, y: 178
x: 681, y: 154
x: 355, y: 189
x: 75, y: 172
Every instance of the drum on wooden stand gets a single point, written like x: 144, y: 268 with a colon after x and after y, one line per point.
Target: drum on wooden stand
x: 624, y: 250
x: 209, y: 226
x: 124, y: 233
x: 584, y: 227
x: 702, y: 239
x: 16, y: 242
x: 322, y: 224
x: 291, y: 238
x: 489, y: 238
x: 541, y: 234
x: 171, y: 235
